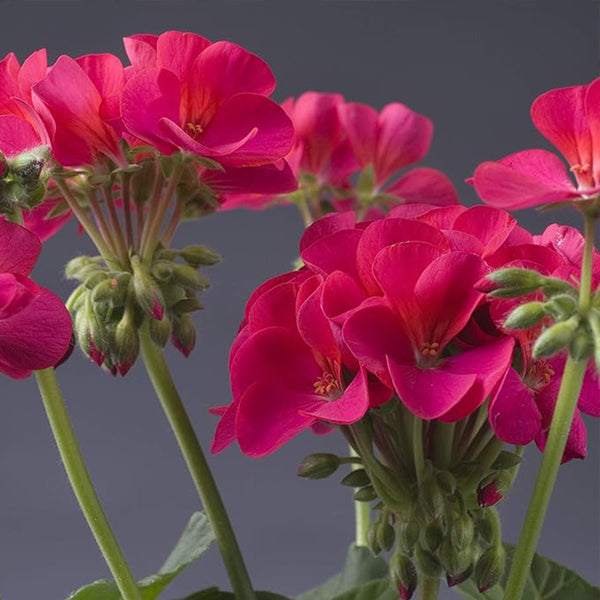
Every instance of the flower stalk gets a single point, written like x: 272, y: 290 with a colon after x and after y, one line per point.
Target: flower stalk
x: 82, y: 484
x: 570, y: 388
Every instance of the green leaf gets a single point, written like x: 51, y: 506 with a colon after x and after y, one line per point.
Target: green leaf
x: 547, y: 581
x: 194, y: 541
x: 361, y: 567
x: 215, y: 593
x: 380, y: 589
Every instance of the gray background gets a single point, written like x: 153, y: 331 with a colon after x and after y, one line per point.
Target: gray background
x: 472, y: 66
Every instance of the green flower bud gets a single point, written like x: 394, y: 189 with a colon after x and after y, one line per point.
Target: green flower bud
x: 162, y: 270
x: 490, y: 568
x: 365, y: 494
x: 582, y: 344
x: 513, y: 282
x: 403, y: 575
x: 458, y: 563
x: 319, y: 465
x: 461, y: 532
x: 447, y: 482
x: 80, y: 266
x: 189, y: 277
x: 372, y: 542
x: 187, y: 305
x: 126, y: 344
x: 356, y: 478
x: 386, y: 536
x: 27, y: 167
x: 94, y: 278
x: 105, y: 290
x: 183, y: 334
x: 76, y: 299
x: 428, y: 563
x: 433, y: 535
x: 561, y: 306
x: 432, y: 497
x: 525, y: 316
x: 160, y: 331
x: 555, y: 338
x: 506, y: 460
x: 147, y: 292
x: 408, y: 535
x: 200, y: 255
x: 486, y: 525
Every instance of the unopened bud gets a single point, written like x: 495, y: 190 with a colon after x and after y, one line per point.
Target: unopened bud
x: 147, y: 292
x: 433, y: 535
x: 162, y: 270
x: 404, y: 575
x: 126, y: 345
x: 105, y: 290
x: 428, y: 563
x: 513, y: 282
x: 487, y: 520
x: 408, y: 535
x: 160, y: 331
x: 493, y: 488
x: 365, y: 494
x: 561, y: 306
x: 506, y: 460
x: 432, y: 497
x: 27, y: 167
x: 582, y: 345
x: 183, y: 334
x: 555, y: 338
x: 386, y: 536
x: 458, y: 564
x: 490, y: 568
x: 189, y: 277
x: 94, y: 278
x: 80, y: 266
x: 447, y: 482
x: 461, y: 531
x: 200, y: 255
x: 319, y: 465
x: 372, y: 542
x: 356, y: 478
x: 525, y: 316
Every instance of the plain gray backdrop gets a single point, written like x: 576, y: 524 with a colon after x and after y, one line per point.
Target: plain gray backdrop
x: 474, y: 67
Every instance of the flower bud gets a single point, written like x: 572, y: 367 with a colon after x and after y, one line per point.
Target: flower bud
x: 447, y: 482
x: 94, y: 278
x: 162, y: 270
x: 428, y: 563
x: 126, y: 344
x: 365, y: 494
x: 319, y: 465
x: 582, y: 345
x: 372, y: 542
x: 386, y: 536
x: 147, y: 292
x: 434, y: 535
x: 506, y: 460
x: 493, y: 488
x: 160, y: 331
x: 486, y: 524
x: 27, y: 166
x: 80, y: 266
x: 525, y: 316
x: 458, y: 564
x: 561, y: 306
x: 408, y: 535
x: 555, y: 338
x: 461, y: 532
x: 105, y: 290
x: 490, y: 568
x: 356, y: 478
x: 513, y: 282
x: 183, y: 334
x: 404, y: 575
x: 432, y: 497
x: 199, y: 255
x: 190, y: 278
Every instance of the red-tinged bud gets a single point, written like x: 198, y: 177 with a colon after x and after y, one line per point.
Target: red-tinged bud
x: 319, y: 465
x: 3, y: 165
x: 404, y: 575
x: 490, y: 568
x: 493, y: 488
x: 183, y: 334
x: 95, y: 354
x: 147, y: 293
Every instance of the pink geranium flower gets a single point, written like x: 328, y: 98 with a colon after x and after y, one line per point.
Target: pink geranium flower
x: 209, y: 99
x: 35, y: 326
x: 570, y: 119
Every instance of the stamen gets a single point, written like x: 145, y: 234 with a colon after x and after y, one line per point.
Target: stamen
x: 326, y: 384
x: 194, y: 129
x: 430, y: 349
x: 581, y: 169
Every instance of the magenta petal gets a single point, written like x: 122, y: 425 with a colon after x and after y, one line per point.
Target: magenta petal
x: 576, y: 446
x: 17, y: 135
x: 32, y: 70
x: 524, y: 179
x: 36, y: 220
x: 361, y: 126
x: 225, y: 430
x: 592, y: 104
x: 141, y: 50
x: 589, y: 399
x: 264, y: 126
x: 425, y: 185
x: 335, y: 252
x: 148, y: 97
x: 341, y: 294
x: 403, y: 139
x: 491, y: 226
x: 22, y: 261
x: 267, y: 179
x: 327, y: 225
x: 269, y: 415
x: 428, y: 393
x: 350, y: 407
x: 35, y: 338
x: 177, y: 50
x: 561, y: 117
x: 513, y: 414
x: 105, y: 72
x: 275, y: 308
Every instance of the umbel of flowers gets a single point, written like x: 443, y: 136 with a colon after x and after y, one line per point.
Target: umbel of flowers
x: 433, y: 336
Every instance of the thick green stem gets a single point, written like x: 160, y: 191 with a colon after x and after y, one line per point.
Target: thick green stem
x: 362, y: 512
x: 163, y: 383
x: 570, y: 388
x: 82, y: 484
x: 429, y: 589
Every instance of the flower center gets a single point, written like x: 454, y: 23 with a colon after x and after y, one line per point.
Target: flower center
x: 430, y: 349
x: 581, y: 169
x: 194, y: 130
x: 327, y: 385
x: 539, y: 375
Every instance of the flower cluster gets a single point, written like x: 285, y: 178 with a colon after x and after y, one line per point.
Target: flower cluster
x: 346, y: 155
x: 398, y: 306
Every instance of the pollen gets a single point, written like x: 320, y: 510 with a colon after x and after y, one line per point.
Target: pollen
x: 581, y: 169
x: 539, y: 375
x: 326, y: 384
x: 430, y: 349
x: 194, y: 129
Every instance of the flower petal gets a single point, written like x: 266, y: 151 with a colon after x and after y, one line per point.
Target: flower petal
x: 425, y: 185
x: 19, y: 249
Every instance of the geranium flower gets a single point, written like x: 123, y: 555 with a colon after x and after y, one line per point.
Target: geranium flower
x: 35, y: 326
x: 209, y: 99
x: 570, y: 119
